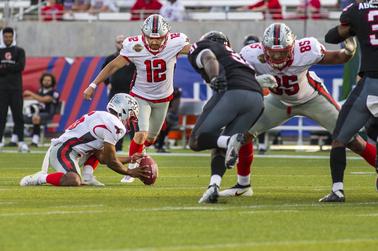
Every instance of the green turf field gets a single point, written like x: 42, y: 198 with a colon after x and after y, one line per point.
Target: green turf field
x: 283, y: 214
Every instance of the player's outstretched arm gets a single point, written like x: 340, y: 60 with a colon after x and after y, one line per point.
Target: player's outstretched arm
x: 341, y: 56
x: 105, y: 73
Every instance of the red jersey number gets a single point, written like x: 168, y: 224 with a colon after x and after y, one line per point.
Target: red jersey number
x: 156, y: 70
x: 286, y: 84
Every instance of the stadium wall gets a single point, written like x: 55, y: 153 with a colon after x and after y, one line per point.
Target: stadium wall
x: 77, y: 39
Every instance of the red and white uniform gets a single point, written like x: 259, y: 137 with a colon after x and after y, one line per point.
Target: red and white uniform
x: 299, y: 91
x: 83, y: 138
x: 294, y: 86
x: 154, y: 79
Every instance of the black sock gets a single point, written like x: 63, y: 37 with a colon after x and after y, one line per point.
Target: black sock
x: 36, y: 130
x: 217, y: 163
x: 338, y: 163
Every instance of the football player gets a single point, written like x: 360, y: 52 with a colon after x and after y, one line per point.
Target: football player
x: 360, y: 20
x: 93, y: 135
x: 236, y: 104
x: 154, y: 54
x: 299, y: 92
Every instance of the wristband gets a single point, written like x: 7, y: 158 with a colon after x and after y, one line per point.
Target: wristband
x: 93, y: 85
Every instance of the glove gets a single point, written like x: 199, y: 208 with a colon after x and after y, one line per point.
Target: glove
x: 267, y: 81
x: 218, y: 83
x: 350, y: 46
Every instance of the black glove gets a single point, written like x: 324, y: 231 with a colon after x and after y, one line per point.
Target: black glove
x: 218, y: 83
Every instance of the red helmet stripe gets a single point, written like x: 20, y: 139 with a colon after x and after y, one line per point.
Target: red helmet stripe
x: 155, y: 22
x: 277, y: 31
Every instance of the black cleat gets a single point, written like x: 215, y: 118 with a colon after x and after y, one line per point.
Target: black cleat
x: 337, y: 196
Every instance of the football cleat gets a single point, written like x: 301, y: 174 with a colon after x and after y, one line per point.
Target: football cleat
x: 92, y: 181
x: 32, y: 180
x: 23, y: 148
x: 233, y: 147
x: 210, y: 195
x: 337, y: 196
x: 237, y: 190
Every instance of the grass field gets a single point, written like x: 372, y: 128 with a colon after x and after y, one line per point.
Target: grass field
x: 283, y: 213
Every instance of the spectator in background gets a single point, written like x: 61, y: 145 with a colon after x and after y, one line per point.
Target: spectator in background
x: 52, y: 11
x: 143, y: 8
x: 42, y: 112
x: 120, y: 81
x: 98, y: 6
x: 12, y: 63
x: 81, y: 5
x: 271, y: 8
x: 173, y: 10
x: 310, y: 9
x: 171, y: 121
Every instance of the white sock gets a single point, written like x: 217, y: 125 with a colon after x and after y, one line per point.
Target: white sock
x: 14, y: 138
x: 35, y: 139
x: 244, y: 180
x: 262, y: 147
x: 222, y: 141
x: 87, y: 171
x: 337, y: 186
x: 42, y: 178
x: 215, y: 179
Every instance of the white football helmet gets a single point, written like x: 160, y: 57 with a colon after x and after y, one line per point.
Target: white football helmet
x: 155, y: 30
x: 278, y: 42
x: 125, y: 107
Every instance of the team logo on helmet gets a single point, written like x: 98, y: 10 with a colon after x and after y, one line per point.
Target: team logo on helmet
x: 155, y: 30
x: 278, y: 43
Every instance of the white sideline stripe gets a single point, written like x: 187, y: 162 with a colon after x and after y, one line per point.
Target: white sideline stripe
x: 369, y: 215
x: 187, y: 208
x: 246, y: 244
x: 278, y: 156
x: 363, y: 173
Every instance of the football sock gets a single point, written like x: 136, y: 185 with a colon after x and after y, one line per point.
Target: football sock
x: 222, y: 141
x: 14, y: 138
x: 217, y: 165
x: 92, y: 161
x: 35, y: 139
x: 135, y: 148
x: 337, y: 186
x: 337, y: 164
x: 36, y: 130
x: 370, y: 154
x: 54, y: 178
x: 244, y: 164
x: 215, y: 179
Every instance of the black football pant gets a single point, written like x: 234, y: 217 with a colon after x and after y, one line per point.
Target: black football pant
x: 227, y: 113
x: 14, y: 100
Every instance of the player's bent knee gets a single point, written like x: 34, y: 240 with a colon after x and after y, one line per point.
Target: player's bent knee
x: 70, y: 179
x: 193, y: 143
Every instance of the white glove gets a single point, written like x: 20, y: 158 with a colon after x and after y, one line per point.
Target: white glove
x: 267, y: 81
x: 350, y: 46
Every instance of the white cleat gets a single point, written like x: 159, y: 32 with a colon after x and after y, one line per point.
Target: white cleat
x: 210, y: 195
x: 127, y: 178
x: 32, y: 180
x: 234, y: 144
x: 92, y: 181
x: 237, y: 190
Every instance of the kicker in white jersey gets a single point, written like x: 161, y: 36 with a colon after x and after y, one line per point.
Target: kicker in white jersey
x: 295, y: 84
x: 89, y: 133
x: 154, y: 80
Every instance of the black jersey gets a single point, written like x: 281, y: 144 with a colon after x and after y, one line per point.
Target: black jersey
x: 363, y: 20
x: 239, y: 74
x: 49, y: 107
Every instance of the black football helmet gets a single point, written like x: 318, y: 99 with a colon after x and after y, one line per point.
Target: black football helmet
x: 250, y: 39
x: 216, y: 36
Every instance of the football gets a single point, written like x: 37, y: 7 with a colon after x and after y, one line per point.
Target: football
x: 152, y: 167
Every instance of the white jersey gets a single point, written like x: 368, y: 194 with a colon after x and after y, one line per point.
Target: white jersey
x: 89, y: 133
x: 296, y: 85
x: 154, y: 80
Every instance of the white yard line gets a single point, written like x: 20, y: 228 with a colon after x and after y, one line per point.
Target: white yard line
x: 235, y: 246
x: 274, y: 156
